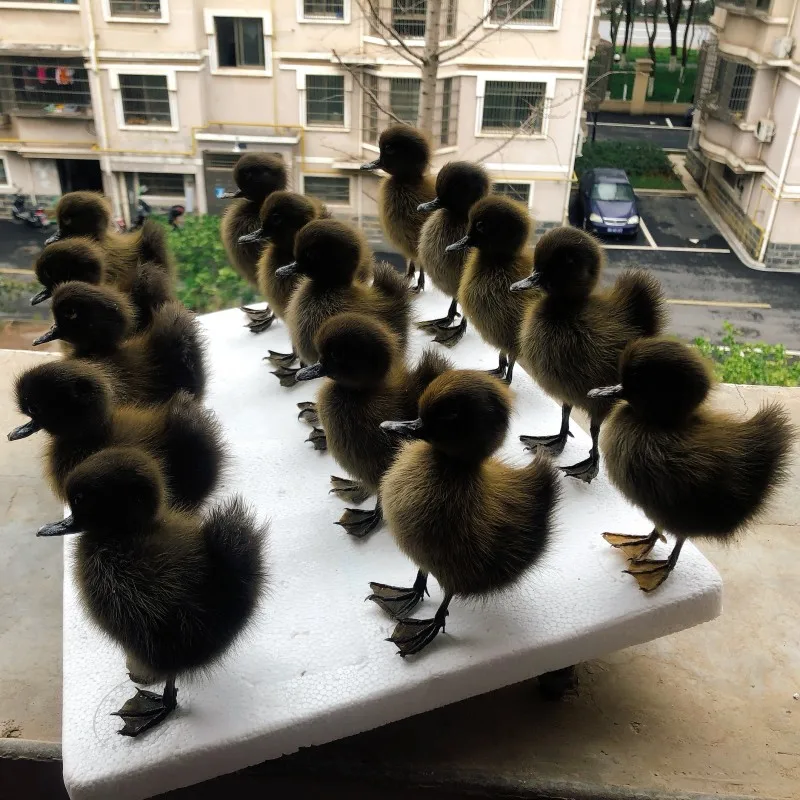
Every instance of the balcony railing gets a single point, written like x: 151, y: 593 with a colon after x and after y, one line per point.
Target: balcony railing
x: 758, y: 7
x: 44, y: 86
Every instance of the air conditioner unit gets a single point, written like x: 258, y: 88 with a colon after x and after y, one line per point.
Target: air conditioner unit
x: 782, y: 47
x: 765, y: 130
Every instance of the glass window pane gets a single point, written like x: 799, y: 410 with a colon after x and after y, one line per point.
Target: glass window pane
x: 509, y: 104
x: 325, y: 99
x: 328, y: 189
x: 404, y: 98
x: 158, y: 183
x: 135, y: 8
x: 251, y: 43
x: 226, y: 41
x: 145, y: 99
x: 536, y: 11
x: 3, y: 173
x: 408, y: 17
x: 521, y: 192
x: 324, y: 9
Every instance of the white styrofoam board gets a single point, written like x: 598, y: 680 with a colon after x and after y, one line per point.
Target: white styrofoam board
x: 316, y: 667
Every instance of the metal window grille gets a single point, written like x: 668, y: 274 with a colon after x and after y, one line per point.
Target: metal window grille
x: 328, y: 189
x: 46, y: 86
x: 161, y: 183
x: 323, y: 9
x: 741, y: 86
x: 404, y: 99
x: 370, y: 120
x: 729, y: 94
x: 408, y: 17
x: 135, y: 8
x: 748, y: 5
x: 223, y: 161
x: 53, y: 2
x: 536, y: 11
x: 240, y: 41
x: 325, y: 99
x: 521, y: 192
x: 508, y: 105
x: 145, y: 99
x: 445, y: 116
x: 3, y: 174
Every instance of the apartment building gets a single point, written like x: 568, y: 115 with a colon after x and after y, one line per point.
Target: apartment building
x: 160, y: 98
x: 744, y: 150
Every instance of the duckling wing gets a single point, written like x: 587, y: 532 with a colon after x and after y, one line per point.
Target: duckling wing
x: 152, y: 288
x: 395, y: 299
x: 640, y: 298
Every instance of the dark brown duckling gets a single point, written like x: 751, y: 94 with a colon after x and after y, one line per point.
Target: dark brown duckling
x: 72, y: 400
x: 149, y: 367
x: 405, y: 156
x: 175, y: 590
x: 573, y: 335
x: 694, y: 471
x: 498, y: 231
x: 459, y: 185
x: 257, y: 175
x: 472, y: 521
x: 368, y: 382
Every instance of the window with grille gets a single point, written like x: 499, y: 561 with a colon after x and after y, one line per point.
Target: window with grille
x: 733, y: 85
x: 161, y: 184
x: 222, y: 160
x: 521, y: 192
x: 145, y: 99
x: 408, y: 18
x: 323, y: 9
x: 404, y: 98
x: 508, y: 105
x: 445, y: 116
x: 135, y: 8
x: 3, y: 173
x: 325, y: 99
x: 329, y: 189
x: 370, y: 121
x: 240, y: 41
x: 530, y: 12
x: 46, y: 86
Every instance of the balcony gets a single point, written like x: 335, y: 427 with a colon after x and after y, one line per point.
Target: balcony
x: 52, y: 88
x: 755, y: 8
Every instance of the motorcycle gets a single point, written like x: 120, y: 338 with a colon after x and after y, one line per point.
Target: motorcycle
x: 30, y: 215
x: 143, y: 211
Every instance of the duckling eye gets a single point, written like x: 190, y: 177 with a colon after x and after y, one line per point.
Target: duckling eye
x: 33, y: 409
x: 480, y: 227
x: 77, y: 499
x: 388, y: 149
x: 277, y: 219
x: 71, y: 313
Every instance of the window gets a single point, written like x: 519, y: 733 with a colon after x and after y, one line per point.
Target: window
x: 44, y: 86
x: 404, y: 98
x: 4, y: 179
x: 613, y: 192
x: 408, y: 17
x: 333, y: 190
x: 733, y: 84
x: 240, y: 41
x: 370, y: 122
x: 521, y: 192
x: 524, y: 12
x: 145, y: 100
x: 323, y: 9
x: 736, y: 182
x: 161, y: 184
x: 508, y: 105
x: 325, y: 100
x: 135, y: 8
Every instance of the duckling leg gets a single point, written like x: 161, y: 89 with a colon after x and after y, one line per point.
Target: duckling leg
x: 353, y: 491
x: 260, y: 318
x: 553, y: 444
x: 420, y: 285
x: 146, y: 709
x: 431, y: 325
x: 286, y: 375
x: 587, y: 469
x: 510, y: 369
x: 501, y: 367
x: 281, y: 359
x: 359, y: 523
x: 318, y: 439
x: 651, y: 573
x: 452, y: 336
x: 397, y: 601
x: 308, y: 413
x: 635, y: 547
x: 412, y: 635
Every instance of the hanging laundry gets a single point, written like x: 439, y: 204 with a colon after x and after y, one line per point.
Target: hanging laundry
x: 64, y: 76
x: 41, y: 74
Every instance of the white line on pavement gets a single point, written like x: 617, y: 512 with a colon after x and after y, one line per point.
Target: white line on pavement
x: 632, y: 125
x: 669, y: 122
x: 647, y: 234
x: 717, y: 250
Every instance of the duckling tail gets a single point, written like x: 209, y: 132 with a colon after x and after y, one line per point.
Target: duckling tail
x: 176, y: 351
x: 543, y: 493
x: 389, y: 282
x: 152, y: 288
x: 394, y: 291
x: 430, y: 366
x: 153, y: 246
x: 641, y: 299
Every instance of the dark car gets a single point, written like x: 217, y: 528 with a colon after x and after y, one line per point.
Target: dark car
x: 608, y: 202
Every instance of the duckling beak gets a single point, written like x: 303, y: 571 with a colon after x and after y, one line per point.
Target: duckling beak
x: 531, y: 282
x: 310, y: 373
x: 54, y: 238
x: 412, y: 428
x: 53, y: 333
x: 461, y: 244
x: 60, y: 528
x: 431, y: 206
x: 45, y: 294
x: 23, y: 431
x: 607, y: 391
x: 372, y: 164
x: 287, y: 270
x: 232, y: 195
x: 253, y: 236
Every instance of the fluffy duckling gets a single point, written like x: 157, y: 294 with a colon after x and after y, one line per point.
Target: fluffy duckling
x: 473, y: 522
x: 459, y: 185
x: 328, y: 254
x: 573, y: 335
x: 72, y: 400
x: 694, y: 471
x: 498, y: 231
x: 368, y: 383
x: 174, y: 589
x: 149, y: 367
x: 405, y: 156
x: 257, y: 175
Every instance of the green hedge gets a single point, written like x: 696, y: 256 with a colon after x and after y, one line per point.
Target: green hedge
x: 647, y: 164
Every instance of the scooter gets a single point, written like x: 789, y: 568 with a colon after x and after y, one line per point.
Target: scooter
x: 33, y: 216
x: 143, y: 211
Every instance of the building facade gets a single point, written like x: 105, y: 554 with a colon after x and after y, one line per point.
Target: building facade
x: 744, y: 150
x: 159, y: 98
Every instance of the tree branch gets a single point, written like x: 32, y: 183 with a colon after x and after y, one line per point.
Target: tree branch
x: 364, y: 89
x: 375, y: 15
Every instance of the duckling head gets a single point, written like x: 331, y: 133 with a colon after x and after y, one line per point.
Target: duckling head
x: 463, y: 413
x: 354, y: 350
x: 497, y: 225
x: 566, y: 264
x: 115, y: 492
x: 60, y: 396
x: 663, y: 380
x: 258, y: 175
x: 82, y: 214
x: 459, y: 185
x: 404, y: 152
x: 282, y: 215
x: 89, y: 316
x: 78, y: 259
x: 327, y: 251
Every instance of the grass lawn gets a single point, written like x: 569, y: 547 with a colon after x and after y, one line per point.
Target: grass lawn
x: 667, y: 86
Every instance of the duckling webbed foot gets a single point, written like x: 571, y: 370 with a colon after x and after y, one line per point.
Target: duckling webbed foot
x: 146, y: 709
x: 281, y: 359
x: 502, y: 365
x: 318, y: 439
x: 308, y: 413
x: 433, y: 325
x: 413, y: 635
x: 552, y: 444
x: 587, y: 469
x: 358, y: 522
x: 450, y: 337
x: 398, y: 601
x: 651, y: 573
x: 352, y: 491
x: 260, y: 318
x: 286, y: 375
x: 635, y: 547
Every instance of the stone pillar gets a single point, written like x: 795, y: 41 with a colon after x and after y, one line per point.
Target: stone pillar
x: 644, y: 68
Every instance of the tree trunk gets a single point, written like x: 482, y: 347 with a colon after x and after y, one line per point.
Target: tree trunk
x: 613, y: 23
x: 689, y: 23
x: 674, y: 9
x: 430, y: 66
x: 630, y: 11
x: 651, y: 34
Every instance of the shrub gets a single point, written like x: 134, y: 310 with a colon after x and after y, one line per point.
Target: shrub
x: 645, y: 163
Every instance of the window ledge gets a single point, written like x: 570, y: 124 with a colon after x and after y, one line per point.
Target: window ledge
x: 523, y: 26
x: 523, y: 136
x: 242, y: 72
x: 139, y: 20
x: 41, y: 6
x: 150, y: 128
x: 50, y: 115
x: 329, y: 128
x: 312, y: 21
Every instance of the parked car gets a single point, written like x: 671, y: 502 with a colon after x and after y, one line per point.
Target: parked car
x: 608, y: 202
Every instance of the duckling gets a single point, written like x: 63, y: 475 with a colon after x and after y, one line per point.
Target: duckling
x: 149, y: 367
x: 459, y: 185
x: 73, y: 401
x: 368, y: 383
x: 572, y: 335
x: 174, y: 589
x: 498, y: 231
x: 328, y: 253
x: 405, y: 155
x: 694, y: 471
x: 257, y: 175
x: 472, y: 521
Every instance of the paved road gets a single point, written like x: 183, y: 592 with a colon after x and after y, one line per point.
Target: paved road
x: 662, y: 34
x: 667, y: 132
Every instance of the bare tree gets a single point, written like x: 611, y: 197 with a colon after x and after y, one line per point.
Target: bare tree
x: 674, y: 10
x: 630, y: 22
x: 655, y: 13
x: 613, y: 9
x: 689, y: 24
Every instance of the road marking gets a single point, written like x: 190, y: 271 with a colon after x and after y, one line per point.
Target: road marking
x: 717, y: 250
x: 669, y: 122
x: 15, y: 271
x: 651, y: 126
x: 647, y: 234
x: 718, y: 303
